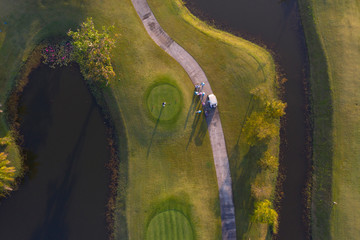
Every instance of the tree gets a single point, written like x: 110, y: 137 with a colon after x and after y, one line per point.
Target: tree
x: 92, y: 51
x: 264, y: 213
x: 275, y: 108
x: 258, y: 128
x: 268, y: 161
x: 6, y: 173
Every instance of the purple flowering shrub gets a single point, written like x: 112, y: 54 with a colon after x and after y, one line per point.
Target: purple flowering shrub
x: 58, y: 54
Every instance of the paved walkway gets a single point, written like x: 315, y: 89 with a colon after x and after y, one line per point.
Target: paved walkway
x: 217, y: 139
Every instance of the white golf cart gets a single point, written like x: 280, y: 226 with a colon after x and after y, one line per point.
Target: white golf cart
x: 212, y: 101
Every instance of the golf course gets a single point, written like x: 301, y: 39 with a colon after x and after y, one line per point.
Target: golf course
x: 167, y: 184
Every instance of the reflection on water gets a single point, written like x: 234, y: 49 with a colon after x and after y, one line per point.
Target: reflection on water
x: 65, y: 192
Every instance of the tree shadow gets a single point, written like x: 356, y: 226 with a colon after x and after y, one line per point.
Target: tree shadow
x: 154, y: 132
x: 248, y: 112
x: 244, y: 172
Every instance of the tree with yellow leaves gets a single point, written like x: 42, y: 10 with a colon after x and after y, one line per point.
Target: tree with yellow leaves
x: 264, y: 213
x: 7, y: 173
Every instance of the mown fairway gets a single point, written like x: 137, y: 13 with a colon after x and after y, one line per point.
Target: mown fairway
x: 169, y: 225
x: 336, y: 104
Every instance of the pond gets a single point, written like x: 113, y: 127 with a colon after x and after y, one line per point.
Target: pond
x: 277, y: 25
x: 65, y: 192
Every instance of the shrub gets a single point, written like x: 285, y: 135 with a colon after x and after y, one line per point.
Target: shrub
x: 57, y: 54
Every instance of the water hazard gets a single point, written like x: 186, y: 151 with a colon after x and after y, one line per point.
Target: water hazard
x: 65, y: 192
x: 275, y: 23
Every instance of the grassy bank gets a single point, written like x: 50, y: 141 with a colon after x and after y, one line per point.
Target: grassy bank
x: 332, y: 30
x: 234, y: 67
x: 169, y: 158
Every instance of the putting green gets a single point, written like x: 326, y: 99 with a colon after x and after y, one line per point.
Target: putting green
x: 169, y: 225
x: 164, y: 93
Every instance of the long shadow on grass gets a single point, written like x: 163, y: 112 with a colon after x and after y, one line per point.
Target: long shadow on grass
x: 191, y: 109
x: 201, y: 132
x: 154, y: 132
x: 243, y: 172
x: 248, y: 112
x: 197, y: 118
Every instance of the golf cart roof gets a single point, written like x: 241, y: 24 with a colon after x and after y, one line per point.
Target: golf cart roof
x: 212, y: 100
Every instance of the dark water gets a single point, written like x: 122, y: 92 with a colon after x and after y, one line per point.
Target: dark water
x: 65, y: 193
x: 276, y: 24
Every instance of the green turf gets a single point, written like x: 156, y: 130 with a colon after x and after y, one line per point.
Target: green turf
x: 160, y: 94
x: 333, y: 31
x: 168, y: 225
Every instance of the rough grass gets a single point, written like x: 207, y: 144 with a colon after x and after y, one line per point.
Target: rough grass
x: 234, y: 67
x: 169, y: 225
x: 333, y: 31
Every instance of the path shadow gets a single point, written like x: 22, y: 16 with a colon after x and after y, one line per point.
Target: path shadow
x: 154, y: 132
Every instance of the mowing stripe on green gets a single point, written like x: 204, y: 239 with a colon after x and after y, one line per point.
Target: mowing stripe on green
x: 169, y: 225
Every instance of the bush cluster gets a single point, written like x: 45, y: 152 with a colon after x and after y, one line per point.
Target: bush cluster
x: 89, y: 48
x: 58, y: 54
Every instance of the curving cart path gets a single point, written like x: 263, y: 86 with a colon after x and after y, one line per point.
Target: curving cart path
x: 216, y: 133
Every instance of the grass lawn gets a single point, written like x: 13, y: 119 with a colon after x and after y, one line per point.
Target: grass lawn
x: 333, y: 33
x: 167, y: 149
